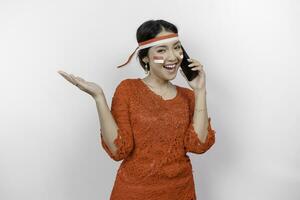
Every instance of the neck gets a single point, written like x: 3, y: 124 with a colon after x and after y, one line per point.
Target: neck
x: 156, y: 81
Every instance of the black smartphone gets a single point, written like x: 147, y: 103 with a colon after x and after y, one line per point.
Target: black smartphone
x: 190, y: 74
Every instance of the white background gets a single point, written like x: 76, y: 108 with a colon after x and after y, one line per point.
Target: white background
x: 49, y: 133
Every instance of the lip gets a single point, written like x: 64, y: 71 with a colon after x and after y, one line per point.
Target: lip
x: 173, y: 69
x: 172, y: 63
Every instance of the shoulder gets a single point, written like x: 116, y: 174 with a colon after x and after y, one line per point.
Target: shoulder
x: 186, y: 92
x: 129, y: 84
x: 124, y: 88
x: 124, y: 84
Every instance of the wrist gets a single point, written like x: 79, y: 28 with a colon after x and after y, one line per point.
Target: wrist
x: 200, y: 91
x: 200, y: 109
x: 98, y: 96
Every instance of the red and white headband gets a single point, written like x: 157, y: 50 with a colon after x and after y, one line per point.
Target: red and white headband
x: 152, y: 42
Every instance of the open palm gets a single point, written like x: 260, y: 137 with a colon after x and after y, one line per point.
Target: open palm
x: 89, y: 87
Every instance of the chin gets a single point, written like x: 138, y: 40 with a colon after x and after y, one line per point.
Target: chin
x: 173, y: 76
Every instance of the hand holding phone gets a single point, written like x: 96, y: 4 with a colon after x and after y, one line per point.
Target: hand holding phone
x: 189, y: 73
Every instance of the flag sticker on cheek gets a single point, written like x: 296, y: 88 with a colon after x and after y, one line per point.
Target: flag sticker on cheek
x: 158, y: 59
x: 181, y: 55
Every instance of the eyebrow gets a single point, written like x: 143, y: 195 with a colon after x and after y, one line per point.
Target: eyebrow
x: 167, y: 46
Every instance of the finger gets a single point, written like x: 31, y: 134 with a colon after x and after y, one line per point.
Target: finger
x: 80, y: 79
x: 64, y: 74
x: 67, y: 77
x: 194, y: 64
x: 61, y: 72
x: 197, y: 68
x: 75, y: 82
x: 193, y: 60
x: 81, y: 82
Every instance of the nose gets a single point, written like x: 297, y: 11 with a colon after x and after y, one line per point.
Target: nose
x: 171, y: 56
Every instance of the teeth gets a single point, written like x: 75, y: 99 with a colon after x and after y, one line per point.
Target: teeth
x: 170, y: 66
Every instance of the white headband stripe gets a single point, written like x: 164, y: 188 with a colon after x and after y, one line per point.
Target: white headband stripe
x: 158, y: 42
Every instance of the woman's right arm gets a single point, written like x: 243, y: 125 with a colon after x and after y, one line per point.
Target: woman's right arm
x: 115, y: 126
x: 108, y: 126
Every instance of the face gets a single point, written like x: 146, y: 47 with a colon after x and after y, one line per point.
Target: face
x: 165, y: 59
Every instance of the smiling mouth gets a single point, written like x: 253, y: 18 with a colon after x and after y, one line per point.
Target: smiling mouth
x: 170, y: 66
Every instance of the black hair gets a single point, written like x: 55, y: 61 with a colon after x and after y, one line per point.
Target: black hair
x: 148, y: 30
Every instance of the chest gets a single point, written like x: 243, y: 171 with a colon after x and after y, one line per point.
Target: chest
x: 151, y: 114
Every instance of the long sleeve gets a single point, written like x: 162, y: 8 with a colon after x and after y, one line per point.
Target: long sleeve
x: 192, y: 142
x: 120, y: 111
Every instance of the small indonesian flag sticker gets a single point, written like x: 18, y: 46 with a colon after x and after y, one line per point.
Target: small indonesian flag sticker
x: 159, y: 59
x: 181, y: 55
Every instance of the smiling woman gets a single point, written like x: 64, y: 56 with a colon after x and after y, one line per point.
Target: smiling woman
x: 152, y: 123
x: 157, y: 122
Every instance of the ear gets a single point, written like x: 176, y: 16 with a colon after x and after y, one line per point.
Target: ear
x: 145, y: 59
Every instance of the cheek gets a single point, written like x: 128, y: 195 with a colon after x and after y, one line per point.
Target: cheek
x: 158, y: 59
x: 161, y: 59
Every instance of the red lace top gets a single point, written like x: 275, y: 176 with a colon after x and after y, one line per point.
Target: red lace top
x: 154, y: 136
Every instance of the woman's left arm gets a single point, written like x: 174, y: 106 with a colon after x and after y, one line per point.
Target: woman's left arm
x: 200, y: 117
x: 199, y: 136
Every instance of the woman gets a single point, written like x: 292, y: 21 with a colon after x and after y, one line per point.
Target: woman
x: 153, y: 123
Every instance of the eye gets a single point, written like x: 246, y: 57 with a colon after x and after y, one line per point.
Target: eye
x: 178, y: 47
x: 161, y: 50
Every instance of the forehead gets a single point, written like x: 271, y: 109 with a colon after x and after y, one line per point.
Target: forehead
x: 167, y: 44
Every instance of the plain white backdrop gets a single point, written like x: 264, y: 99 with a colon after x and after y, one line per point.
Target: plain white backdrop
x: 49, y: 133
